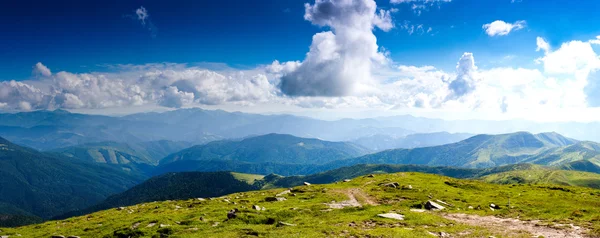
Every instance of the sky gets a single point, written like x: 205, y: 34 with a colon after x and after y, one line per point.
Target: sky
x: 457, y: 59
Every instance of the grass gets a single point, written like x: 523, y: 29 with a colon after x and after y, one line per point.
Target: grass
x: 249, y: 178
x: 546, y: 176
x: 311, y: 217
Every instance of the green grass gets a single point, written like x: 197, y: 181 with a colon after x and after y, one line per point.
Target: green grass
x: 249, y: 178
x: 546, y: 176
x: 194, y: 218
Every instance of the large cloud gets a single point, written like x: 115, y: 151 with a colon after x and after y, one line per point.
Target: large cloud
x: 340, y: 61
x: 169, y: 87
x: 466, y: 78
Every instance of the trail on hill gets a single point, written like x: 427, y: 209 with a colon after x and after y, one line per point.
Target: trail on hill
x: 353, y: 194
x: 511, y: 226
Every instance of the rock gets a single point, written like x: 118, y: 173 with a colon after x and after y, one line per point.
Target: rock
x: 442, y: 202
x: 444, y: 234
x: 177, y: 207
x: 72, y: 236
x: 407, y: 187
x: 370, y: 176
x: 3, y: 236
x: 135, y: 225
x: 494, y: 206
x: 201, y: 199
x: 275, y: 199
x: 392, y: 216
x: 232, y: 214
x: 471, y: 207
x: 57, y: 236
x: 347, y: 180
x: 215, y: 224
x: 392, y: 185
x: 285, y: 224
x: 417, y: 210
x: 151, y: 225
x: 433, y: 206
x: 202, y: 219
x: 163, y: 225
x: 256, y: 207
x: 306, y: 183
x: 120, y: 208
x: 283, y: 193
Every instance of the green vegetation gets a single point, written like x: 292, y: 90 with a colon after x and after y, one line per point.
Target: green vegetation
x: 42, y: 185
x: 546, y: 176
x: 305, y: 212
x: 271, y: 148
x: 122, y: 153
x: 484, y: 151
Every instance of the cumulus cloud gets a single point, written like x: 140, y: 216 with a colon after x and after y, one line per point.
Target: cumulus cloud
x: 41, y: 69
x: 170, y: 86
x: 570, y: 58
x: 501, y: 28
x: 339, y: 61
x: 542, y: 44
x: 466, y: 78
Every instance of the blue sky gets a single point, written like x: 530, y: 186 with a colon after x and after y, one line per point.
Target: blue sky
x: 526, y: 59
x: 80, y: 36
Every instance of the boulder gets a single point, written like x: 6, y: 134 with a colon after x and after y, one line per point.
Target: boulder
x: 391, y: 185
x: 307, y: 184
x: 283, y: 193
x: 72, y: 236
x: 232, y: 214
x: 370, y: 176
x: 433, y: 206
x: 392, y: 215
x: 347, y: 180
x: 120, y: 208
x: 275, y: 199
x: 494, y: 206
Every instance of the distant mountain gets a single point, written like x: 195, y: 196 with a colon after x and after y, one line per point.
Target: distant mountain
x: 582, y: 165
x: 45, y: 185
x: 179, y: 186
x: 479, y: 151
x: 380, y: 142
x: 542, y: 175
x: 270, y: 148
x: 123, y: 153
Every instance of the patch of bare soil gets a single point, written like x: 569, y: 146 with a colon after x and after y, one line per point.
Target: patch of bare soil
x: 510, y: 226
x: 354, y: 195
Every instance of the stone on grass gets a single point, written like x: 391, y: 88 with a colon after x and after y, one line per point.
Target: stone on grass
x: 392, y: 215
x: 283, y: 193
x: 392, y: 185
x: 275, y: 199
x: 306, y: 183
x: 433, y: 206
x: 285, y: 224
x: 347, y: 180
x: 57, y: 236
x: 232, y: 214
x: 151, y: 224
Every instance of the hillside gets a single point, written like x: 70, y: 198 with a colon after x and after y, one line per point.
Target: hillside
x: 123, y: 153
x: 177, y: 186
x: 476, y: 152
x: 381, y: 142
x: 351, y: 209
x: 270, y: 148
x: 546, y: 176
x: 46, y: 185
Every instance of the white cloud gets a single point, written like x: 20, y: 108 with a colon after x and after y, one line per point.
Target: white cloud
x: 542, y: 45
x: 466, y: 78
x: 41, y: 69
x: 142, y: 14
x: 418, y: 6
x: 572, y: 57
x: 340, y: 61
x: 501, y: 28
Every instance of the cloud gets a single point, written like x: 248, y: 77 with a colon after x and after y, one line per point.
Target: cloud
x: 418, y: 6
x: 592, y: 89
x: 340, y: 61
x: 41, y: 69
x: 466, y: 78
x: 142, y: 15
x: 572, y: 57
x: 169, y: 86
x: 542, y: 44
x: 501, y: 28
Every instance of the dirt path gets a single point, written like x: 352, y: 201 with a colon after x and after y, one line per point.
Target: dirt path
x: 354, y: 195
x: 510, y: 226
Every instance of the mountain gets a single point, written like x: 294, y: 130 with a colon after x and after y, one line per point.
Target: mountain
x: 546, y: 176
x: 270, y: 148
x: 46, y: 185
x: 479, y: 151
x: 351, y: 208
x: 581, y: 165
x: 179, y: 186
x: 381, y: 142
x: 122, y: 153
